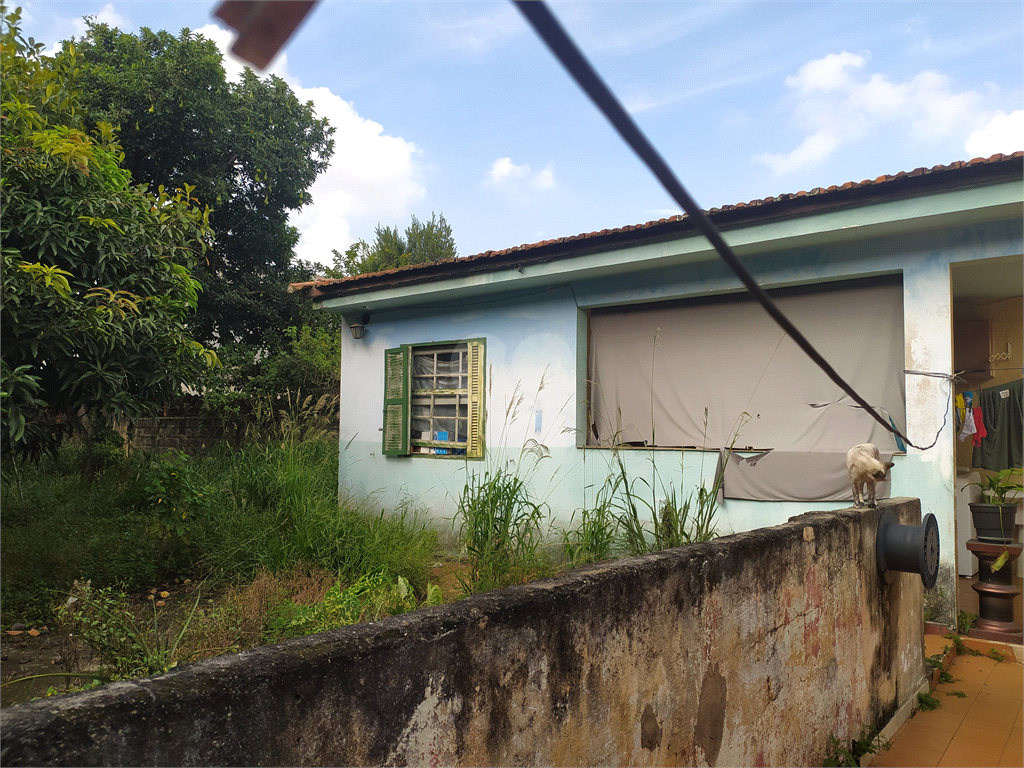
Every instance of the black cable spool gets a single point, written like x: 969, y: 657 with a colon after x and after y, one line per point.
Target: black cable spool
x: 908, y: 548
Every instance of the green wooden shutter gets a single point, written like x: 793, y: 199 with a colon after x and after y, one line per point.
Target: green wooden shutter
x: 396, y: 402
x: 475, y: 438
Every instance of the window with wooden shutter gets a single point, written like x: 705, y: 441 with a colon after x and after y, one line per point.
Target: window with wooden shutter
x: 396, y: 402
x: 441, y: 408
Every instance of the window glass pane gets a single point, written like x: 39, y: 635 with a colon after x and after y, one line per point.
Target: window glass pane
x: 447, y: 410
x: 448, y: 362
x: 448, y: 382
x: 422, y: 382
x: 423, y: 364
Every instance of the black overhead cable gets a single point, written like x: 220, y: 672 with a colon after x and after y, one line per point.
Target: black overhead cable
x: 558, y: 40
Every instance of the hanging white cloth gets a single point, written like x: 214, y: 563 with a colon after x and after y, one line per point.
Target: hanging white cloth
x: 969, y: 427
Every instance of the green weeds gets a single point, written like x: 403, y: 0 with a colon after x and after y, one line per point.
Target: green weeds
x: 79, y: 516
x: 926, y: 702
x: 227, y: 514
x: 372, y: 597
x: 869, y: 742
x: 124, y: 646
x: 965, y: 621
x: 680, y: 524
x: 672, y: 523
x: 962, y: 649
x: 935, y: 660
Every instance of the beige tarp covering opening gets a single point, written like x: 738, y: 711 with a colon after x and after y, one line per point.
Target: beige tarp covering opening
x: 788, y: 476
x: 654, y: 368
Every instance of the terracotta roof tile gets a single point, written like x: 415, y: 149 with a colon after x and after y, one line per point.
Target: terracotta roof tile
x: 880, y: 180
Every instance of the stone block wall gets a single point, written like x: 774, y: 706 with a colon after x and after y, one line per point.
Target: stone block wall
x: 171, y: 433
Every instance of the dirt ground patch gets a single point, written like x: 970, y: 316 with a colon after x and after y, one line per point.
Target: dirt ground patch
x: 31, y: 657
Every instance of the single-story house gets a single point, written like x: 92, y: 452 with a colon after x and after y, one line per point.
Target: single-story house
x: 638, y: 345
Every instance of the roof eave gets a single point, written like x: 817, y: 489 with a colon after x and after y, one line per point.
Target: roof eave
x: 917, y: 183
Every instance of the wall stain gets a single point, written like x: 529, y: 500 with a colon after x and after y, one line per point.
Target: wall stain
x: 711, y: 714
x: 650, y: 731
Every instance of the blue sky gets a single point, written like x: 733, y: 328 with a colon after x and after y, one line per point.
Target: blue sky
x: 457, y: 107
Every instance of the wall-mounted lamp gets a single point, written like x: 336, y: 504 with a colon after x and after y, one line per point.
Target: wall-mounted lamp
x: 360, y: 327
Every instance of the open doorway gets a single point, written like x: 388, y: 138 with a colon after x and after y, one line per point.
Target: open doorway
x: 988, y: 351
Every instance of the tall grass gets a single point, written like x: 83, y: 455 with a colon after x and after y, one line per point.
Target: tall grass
x: 269, y: 504
x: 629, y: 518
x: 593, y: 538
x: 499, y: 520
x: 279, y: 506
x: 80, y: 516
x: 674, y: 523
x: 500, y: 525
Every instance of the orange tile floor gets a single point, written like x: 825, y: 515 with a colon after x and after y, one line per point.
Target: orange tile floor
x: 981, y: 728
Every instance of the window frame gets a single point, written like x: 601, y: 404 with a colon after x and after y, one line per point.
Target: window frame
x: 400, y: 400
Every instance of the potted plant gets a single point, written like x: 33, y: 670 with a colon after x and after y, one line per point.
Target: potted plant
x: 994, y: 516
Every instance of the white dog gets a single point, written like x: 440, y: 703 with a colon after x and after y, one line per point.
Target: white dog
x: 866, y: 468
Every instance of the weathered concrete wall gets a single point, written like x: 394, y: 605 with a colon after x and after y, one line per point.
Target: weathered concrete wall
x: 748, y: 650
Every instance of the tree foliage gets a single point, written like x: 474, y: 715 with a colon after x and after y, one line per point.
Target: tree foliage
x: 251, y: 150
x: 308, y: 365
x: 423, y: 242
x: 96, y: 284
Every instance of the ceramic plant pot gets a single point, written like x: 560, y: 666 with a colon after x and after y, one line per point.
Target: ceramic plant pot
x: 994, y: 522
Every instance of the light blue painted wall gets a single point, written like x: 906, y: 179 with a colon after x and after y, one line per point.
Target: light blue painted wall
x: 533, y: 337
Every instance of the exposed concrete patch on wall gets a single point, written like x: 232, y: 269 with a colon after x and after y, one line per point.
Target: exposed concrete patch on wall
x: 749, y: 649
x: 711, y: 714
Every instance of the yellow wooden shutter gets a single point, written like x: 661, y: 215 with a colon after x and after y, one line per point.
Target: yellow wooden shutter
x: 475, y: 438
x: 396, y: 402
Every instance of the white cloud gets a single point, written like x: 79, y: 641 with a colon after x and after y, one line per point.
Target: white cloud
x: 543, y: 180
x: 372, y: 176
x: 107, y: 15
x: 234, y: 66
x: 514, y: 179
x: 835, y: 103
x: 827, y: 74
x: 475, y: 34
x: 66, y: 28
x: 503, y: 169
x: 1004, y: 133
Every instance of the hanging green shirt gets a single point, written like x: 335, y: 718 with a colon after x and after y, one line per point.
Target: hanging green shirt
x: 1002, y: 409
